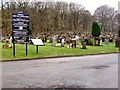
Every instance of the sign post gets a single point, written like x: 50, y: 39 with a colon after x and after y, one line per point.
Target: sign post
x: 26, y: 49
x: 14, y: 49
x: 20, y: 27
x: 37, y: 42
x: 37, y: 49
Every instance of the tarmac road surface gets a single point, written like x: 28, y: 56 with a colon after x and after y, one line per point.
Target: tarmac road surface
x: 97, y: 71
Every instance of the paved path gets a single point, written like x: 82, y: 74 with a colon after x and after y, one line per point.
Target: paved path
x: 99, y: 71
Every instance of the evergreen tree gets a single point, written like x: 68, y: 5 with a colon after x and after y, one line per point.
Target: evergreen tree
x: 95, y: 29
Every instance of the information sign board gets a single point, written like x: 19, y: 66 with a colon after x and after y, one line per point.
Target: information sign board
x: 20, y: 27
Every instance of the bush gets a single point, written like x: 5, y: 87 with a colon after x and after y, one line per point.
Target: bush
x: 95, y: 29
x: 90, y: 42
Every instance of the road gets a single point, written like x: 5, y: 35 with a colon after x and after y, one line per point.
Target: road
x: 98, y: 71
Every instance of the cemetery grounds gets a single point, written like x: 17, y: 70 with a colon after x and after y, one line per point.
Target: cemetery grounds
x: 48, y: 51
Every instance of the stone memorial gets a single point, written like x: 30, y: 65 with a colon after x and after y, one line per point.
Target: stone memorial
x: 6, y: 43
x: 83, y: 43
x: 72, y: 43
x: 106, y: 40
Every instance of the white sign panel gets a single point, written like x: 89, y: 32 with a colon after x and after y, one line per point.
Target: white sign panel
x: 37, y: 42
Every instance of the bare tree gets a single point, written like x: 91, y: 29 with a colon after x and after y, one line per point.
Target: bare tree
x: 48, y: 16
x: 86, y: 20
x: 106, y: 16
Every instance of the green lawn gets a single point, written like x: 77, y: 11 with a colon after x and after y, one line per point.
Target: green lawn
x: 50, y: 51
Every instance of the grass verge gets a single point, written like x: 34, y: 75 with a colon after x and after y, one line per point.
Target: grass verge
x: 50, y: 51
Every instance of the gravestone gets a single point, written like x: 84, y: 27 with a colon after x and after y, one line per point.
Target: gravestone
x: 83, y: 45
x: 77, y: 40
x: 73, y: 43
x: 110, y: 39
x: 106, y: 40
x: 10, y: 42
x: 97, y: 41
x: 117, y: 42
x: 63, y: 41
x: 59, y: 41
x: 53, y: 41
x: 6, y: 43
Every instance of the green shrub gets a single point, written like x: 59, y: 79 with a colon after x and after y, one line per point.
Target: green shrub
x: 90, y: 41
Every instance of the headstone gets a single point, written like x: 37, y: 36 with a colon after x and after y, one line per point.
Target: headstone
x: 6, y: 43
x: 10, y: 42
x: 59, y: 40
x: 73, y: 43
x: 2, y: 38
x: 84, y: 45
x: 117, y: 42
x: 110, y: 39
x: 97, y: 41
x: 53, y: 40
x: 63, y: 41
x: 106, y: 40
x: 77, y: 40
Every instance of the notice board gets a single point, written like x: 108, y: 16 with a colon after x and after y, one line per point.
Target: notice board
x: 20, y: 27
